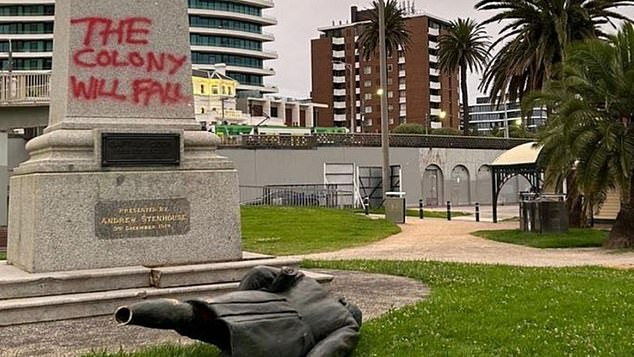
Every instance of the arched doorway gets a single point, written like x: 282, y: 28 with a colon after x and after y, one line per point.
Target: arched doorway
x: 483, y: 185
x: 459, y: 184
x: 433, y: 186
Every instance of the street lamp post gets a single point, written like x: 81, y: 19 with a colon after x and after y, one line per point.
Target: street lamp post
x: 385, y: 138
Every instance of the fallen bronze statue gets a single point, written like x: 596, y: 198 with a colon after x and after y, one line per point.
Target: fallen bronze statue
x: 274, y: 313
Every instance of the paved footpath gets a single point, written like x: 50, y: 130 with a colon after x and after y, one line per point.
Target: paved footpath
x: 441, y: 240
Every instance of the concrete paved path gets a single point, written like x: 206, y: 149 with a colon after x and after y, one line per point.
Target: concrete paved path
x: 442, y: 240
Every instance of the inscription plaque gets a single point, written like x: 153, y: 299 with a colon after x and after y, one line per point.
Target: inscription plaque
x: 141, y: 218
x: 140, y: 149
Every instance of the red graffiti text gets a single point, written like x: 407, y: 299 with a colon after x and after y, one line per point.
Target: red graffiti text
x: 124, y: 44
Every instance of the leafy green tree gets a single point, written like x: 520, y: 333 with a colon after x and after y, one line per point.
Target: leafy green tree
x: 464, y: 46
x: 535, y: 36
x: 396, y: 31
x: 591, y: 128
x: 409, y: 128
x: 446, y: 132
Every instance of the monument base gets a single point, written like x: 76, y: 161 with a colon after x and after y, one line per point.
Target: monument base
x: 91, y: 220
x: 27, y: 297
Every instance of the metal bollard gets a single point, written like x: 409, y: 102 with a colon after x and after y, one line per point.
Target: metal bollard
x: 366, y: 204
x: 421, y: 213
x: 449, y: 210
x: 477, y: 208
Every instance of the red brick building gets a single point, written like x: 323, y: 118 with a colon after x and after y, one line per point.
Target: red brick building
x: 418, y: 92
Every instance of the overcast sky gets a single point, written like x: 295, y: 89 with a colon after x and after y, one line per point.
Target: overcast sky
x: 298, y: 21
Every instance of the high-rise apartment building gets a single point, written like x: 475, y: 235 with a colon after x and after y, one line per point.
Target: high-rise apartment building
x: 417, y: 91
x: 221, y: 31
x: 487, y: 116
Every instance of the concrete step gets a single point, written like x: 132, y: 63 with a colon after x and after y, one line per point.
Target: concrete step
x: 62, y: 307
x: 15, y: 283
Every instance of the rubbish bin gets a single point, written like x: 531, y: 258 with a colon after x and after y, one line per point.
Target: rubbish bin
x: 395, y: 207
x: 553, y: 214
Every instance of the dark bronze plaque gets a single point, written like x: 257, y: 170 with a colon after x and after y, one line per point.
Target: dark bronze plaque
x: 137, y: 149
x: 141, y: 218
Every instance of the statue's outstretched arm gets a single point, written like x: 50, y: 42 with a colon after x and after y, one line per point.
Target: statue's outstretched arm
x: 338, y: 344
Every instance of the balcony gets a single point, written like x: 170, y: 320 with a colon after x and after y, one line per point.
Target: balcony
x: 433, y: 59
x: 338, y: 54
x: 339, y: 117
x: 402, y: 100
x: 434, y: 72
x: 339, y: 105
x: 339, y: 92
x: 434, y: 31
x: 435, y: 111
x: 338, y: 79
x: 434, y: 45
x: 435, y: 98
x: 403, y: 113
x: 338, y: 41
x: 339, y: 66
x: 25, y: 88
x: 401, y: 73
x: 434, y: 85
x: 402, y: 87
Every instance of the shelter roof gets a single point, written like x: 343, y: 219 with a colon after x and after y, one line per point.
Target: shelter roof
x: 524, y: 154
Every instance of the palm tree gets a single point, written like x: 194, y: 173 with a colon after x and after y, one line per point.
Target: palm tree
x: 396, y: 32
x: 591, y: 129
x: 535, y: 37
x: 464, y: 46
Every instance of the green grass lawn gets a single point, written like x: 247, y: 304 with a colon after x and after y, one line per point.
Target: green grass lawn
x: 479, y: 310
x: 286, y: 230
x: 575, y: 238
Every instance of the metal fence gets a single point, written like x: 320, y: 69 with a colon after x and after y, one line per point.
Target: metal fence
x: 25, y: 87
x: 310, y: 195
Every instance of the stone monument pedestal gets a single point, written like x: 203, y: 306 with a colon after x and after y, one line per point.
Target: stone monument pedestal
x: 123, y: 175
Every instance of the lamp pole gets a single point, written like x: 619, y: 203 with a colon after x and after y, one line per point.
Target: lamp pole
x: 385, y: 129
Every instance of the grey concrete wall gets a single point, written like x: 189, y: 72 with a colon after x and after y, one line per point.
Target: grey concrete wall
x: 4, y: 177
x: 264, y: 167
x: 267, y: 167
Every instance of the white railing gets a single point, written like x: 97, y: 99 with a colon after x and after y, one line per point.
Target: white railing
x: 25, y: 87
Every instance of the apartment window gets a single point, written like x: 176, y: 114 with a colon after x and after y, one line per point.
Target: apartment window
x: 389, y: 67
x: 389, y: 81
x: 368, y: 109
x: 367, y: 84
x: 368, y: 96
x: 202, y: 89
x: 390, y: 94
x: 368, y: 122
x: 367, y: 70
x: 391, y: 121
x: 401, y: 80
x: 403, y: 107
x: 390, y: 107
x: 402, y: 94
x: 401, y: 67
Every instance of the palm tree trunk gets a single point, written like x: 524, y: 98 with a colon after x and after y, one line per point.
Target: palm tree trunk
x: 465, y: 98
x: 622, y: 233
